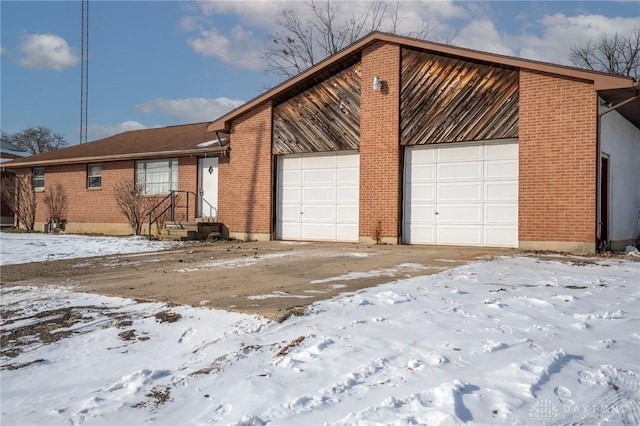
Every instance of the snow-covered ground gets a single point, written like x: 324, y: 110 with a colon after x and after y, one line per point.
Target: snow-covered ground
x: 515, y: 340
x: 36, y: 247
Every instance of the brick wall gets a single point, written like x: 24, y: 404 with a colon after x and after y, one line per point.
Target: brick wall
x: 379, y: 143
x: 95, y: 209
x: 245, y: 177
x: 557, y: 143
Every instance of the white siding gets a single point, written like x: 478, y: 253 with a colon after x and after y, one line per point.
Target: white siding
x: 621, y: 141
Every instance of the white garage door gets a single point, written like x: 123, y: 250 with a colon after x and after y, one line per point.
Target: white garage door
x: 462, y: 194
x: 318, y: 197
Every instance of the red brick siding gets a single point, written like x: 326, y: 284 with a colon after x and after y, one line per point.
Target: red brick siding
x: 187, y: 181
x: 245, y: 179
x: 379, y: 141
x: 557, y: 149
x: 97, y: 205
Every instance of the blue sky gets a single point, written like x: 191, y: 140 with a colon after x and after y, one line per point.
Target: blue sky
x: 158, y: 63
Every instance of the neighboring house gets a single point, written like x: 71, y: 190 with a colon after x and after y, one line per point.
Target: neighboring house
x: 397, y: 140
x: 8, y: 152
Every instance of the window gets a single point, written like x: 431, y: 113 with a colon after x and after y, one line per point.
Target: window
x: 94, y: 176
x: 157, y: 176
x: 38, y: 178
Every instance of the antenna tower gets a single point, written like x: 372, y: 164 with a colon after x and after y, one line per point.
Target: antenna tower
x: 84, y: 71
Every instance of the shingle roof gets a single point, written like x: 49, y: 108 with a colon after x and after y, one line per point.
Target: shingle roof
x: 146, y: 143
x: 609, y: 86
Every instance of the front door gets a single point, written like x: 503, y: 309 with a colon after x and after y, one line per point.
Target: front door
x: 208, y: 187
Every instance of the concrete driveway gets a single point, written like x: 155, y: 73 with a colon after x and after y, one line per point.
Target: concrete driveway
x: 273, y: 279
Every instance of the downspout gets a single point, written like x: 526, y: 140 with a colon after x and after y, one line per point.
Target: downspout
x: 636, y: 88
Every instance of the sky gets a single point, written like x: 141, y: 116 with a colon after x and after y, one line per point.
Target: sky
x: 160, y: 63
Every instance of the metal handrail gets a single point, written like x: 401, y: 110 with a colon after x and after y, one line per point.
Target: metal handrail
x: 172, y: 207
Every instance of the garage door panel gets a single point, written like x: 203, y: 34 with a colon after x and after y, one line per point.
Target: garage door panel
x: 350, y: 176
x: 346, y: 232
x: 500, y: 213
x: 459, y: 235
x: 291, y: 195
x: 459, y: 171
x: 421, y: 234
x: 420, y: 214
x: 459, y: 214
x: 346, y: 195
x: 501, y: 191
x: 318, y: 195
x: 421, y: 193
x: 324, y: 177
x: 310, y: 162
x: 347, y: 214
x: 319, y: 213
x: 458, y: 153
x: 319, y: 232
x: 459, y: 192
x: 291, y: 178
x: 502, y: 169
x: 290, y: 212
x: 348, y: 161
x: 426, y: 173
x: 421, y: 156
x: 291, y: 230
x: 501, y: 150
x: 501, y: 236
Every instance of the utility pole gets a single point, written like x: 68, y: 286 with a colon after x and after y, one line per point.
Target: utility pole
x: 84, y: 71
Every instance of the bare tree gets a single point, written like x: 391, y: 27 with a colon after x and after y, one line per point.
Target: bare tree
x: 17, y: 192
x: 617, y: 54
x: 301, y: 43
x: 35, y: 140
x: 132, y: 203
x: 57, y: 204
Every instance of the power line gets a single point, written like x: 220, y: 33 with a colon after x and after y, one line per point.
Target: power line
x: 84, y: 72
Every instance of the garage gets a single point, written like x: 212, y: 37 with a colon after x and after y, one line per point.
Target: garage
x: 462, y: 194
x: 318, y: 197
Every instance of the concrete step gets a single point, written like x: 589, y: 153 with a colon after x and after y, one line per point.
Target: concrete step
x: 189, y: 231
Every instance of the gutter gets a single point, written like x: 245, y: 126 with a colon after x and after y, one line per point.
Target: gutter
x: 117, y: 157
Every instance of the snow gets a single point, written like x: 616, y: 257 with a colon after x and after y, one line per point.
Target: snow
x: 515, y: 340
x: 35, y: 247
x: 211, y: 142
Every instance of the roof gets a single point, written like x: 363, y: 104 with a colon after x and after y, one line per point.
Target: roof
x: 136, y: 144
x: 9, y: 150
x: 610, y: 87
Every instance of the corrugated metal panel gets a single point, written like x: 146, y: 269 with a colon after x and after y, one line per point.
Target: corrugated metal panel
x: 324, y: 118
x: 449, y: 100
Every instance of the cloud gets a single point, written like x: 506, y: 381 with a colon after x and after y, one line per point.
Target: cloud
x: 190, y: 110
x: 560, y: 33
x: 242, y: 48
x: 2, y: 50
x: 46, y: 51
x: 98, y: 132
x: 482, y: 35
x: 238, y: 48
x: 550, y: 39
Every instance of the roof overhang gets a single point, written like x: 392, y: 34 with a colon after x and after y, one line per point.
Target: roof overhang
x: 601, y: 81
x: 202, y: 152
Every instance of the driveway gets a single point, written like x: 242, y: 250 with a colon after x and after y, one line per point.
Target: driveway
x: 273, y: 279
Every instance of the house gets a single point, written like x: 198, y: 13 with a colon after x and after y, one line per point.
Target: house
x: 396, y: 140
x: 8, y: 152
x: 176, y: 158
